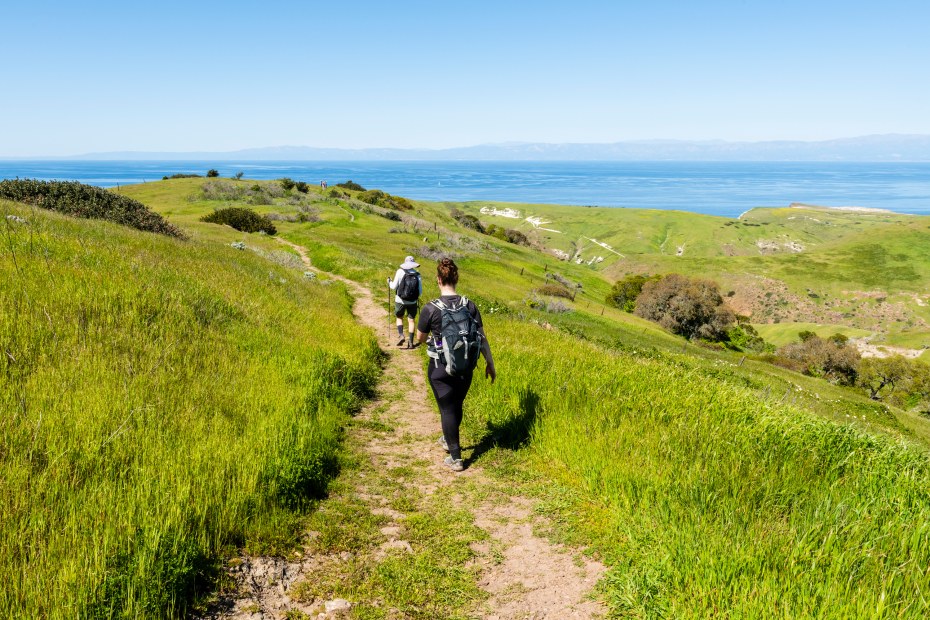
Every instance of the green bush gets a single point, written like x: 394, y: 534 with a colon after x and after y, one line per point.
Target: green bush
x: 287, y: 184
x: 509, y: 235
x: 744, y: 337
x: 302, y: 187
x: 351, y: 185
x: 242, y: 219
x: 181, y: 175
x: 213, y: 173
x: 79, y: 200
x: 624, y: 292
x: 383, y: 199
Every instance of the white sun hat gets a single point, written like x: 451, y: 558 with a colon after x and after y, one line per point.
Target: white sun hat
x: 409, y: 263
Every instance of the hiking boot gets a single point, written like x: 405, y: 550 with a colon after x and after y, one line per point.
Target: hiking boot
x: 442, y: 442
x: 454, y: 464
x: 401, y: 342
x: 410, y: 344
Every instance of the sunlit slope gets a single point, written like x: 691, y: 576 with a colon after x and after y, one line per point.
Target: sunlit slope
x: 502, y: 277
x: 161, y: 400
x: 707, y: 481
x: 706, y: 495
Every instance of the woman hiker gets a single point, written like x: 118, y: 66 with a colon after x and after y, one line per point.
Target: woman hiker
x: 450, y: 369
x: 409, y: 286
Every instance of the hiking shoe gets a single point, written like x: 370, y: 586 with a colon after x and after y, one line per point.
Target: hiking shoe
x: 401, y: 342
x: 442, y: 442
x: 454, y: 464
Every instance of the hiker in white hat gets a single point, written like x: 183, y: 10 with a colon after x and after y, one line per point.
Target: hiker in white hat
x: 409, y: 286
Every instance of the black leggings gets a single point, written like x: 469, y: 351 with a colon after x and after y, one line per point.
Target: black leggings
x: 450, y: 394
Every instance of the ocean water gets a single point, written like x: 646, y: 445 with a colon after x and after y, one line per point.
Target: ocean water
x: 717, y: 188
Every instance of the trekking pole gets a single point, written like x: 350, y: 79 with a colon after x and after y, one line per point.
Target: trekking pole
x: 389, y: 311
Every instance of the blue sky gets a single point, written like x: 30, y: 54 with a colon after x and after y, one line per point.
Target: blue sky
x: 172, y: 76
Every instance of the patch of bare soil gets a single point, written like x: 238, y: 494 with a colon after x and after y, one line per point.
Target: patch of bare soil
x: 525, y: 576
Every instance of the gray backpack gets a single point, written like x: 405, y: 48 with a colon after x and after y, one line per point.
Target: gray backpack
x: 460, y: 340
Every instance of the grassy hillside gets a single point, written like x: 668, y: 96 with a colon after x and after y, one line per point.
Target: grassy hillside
x: 711, y: 484
x: 352, y: 240
x: 707, y: 498
x: 163, y: 401
x: 860, y: 269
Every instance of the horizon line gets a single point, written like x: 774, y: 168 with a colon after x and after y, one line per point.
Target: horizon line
x: 438, y: 150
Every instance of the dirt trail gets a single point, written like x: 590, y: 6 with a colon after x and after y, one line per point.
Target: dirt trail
x: 526, y: 576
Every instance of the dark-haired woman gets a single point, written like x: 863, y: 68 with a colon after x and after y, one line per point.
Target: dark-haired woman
x: 449, y: 390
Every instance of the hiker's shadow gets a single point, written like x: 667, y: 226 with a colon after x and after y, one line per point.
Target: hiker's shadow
x: 511, y: 434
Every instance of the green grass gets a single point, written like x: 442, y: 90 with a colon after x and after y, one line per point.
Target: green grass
x: 163, y: 401
x: 709, y: 483
x: 705, y: 497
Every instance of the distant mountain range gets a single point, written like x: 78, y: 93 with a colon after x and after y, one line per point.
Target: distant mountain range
x: 876, y: 148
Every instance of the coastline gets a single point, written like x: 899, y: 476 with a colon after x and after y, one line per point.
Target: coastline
x: 725, y: 189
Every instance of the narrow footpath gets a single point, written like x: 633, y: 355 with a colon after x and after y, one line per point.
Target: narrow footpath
x: 382, y: 509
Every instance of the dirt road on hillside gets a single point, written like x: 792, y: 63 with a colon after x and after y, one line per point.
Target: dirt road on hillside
x: 524, y: 575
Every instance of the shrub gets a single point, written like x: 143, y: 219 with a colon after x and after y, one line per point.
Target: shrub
x: 213, y: 173
x: 552, y: 275
x: 308, y: 214
x: 281, y: 217
x: 821, y: 358
x: 383, y: 199
x: 509, y: 235
x: 244, y: 220
x: 690, y: 307
x: 181, y: 175
x: 744, y: 337
x: 624, y: 292
x: 79, y: 200
x: 881, y: 376
x: 493, y: 230
x: 547, y: 305
x: 336, y: 194
x: 287, y: 184
x: 261, y: 198
x: 554, y: 290
x: 516, y: 237
x: 222, y: 190
x: 302, y: 187
x: 468, y: 221
x: 239, y: 175
x: 351, y: 185
x: 806, y: 335
x: 394, y: 216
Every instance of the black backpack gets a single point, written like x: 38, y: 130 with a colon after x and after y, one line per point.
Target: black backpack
x: 409, y: 287
x: 461, y: 340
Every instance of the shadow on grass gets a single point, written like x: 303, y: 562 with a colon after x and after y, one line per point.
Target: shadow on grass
x: 513, y: 433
